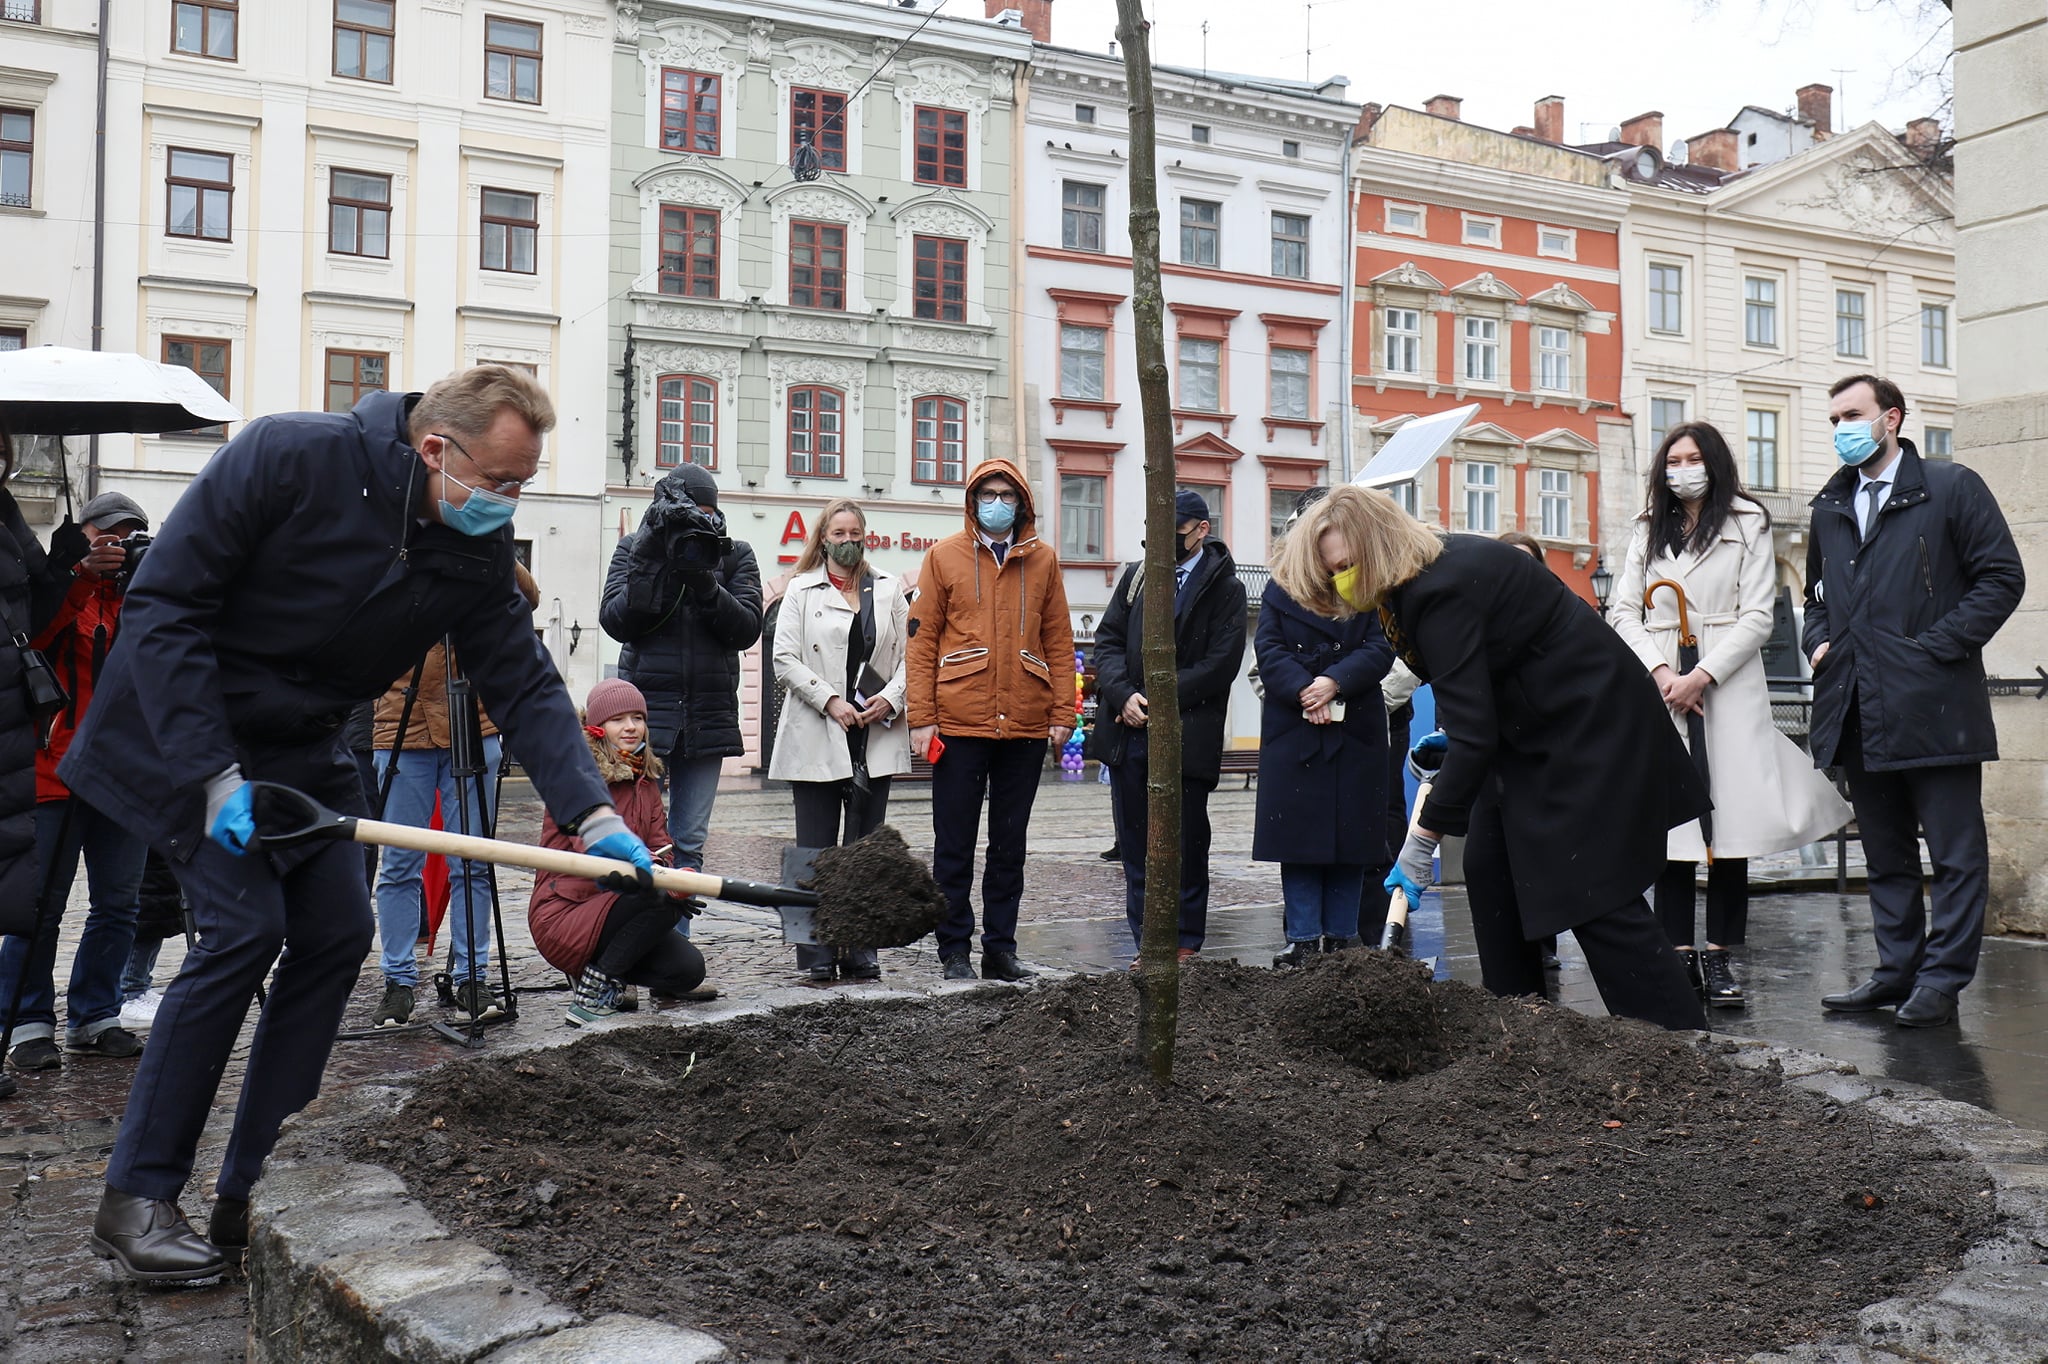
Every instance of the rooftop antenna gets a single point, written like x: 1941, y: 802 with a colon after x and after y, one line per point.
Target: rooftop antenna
x: 1205, y: 47
x: 1842, y: 96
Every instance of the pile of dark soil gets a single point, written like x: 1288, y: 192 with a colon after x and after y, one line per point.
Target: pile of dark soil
x: 989, y: 1178
x: 874, y: 893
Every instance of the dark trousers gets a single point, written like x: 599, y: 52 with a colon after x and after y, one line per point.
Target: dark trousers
x: 819, y: 807
x: 1374, y: 898
x: 1635, y: 968
x: 1133, y: 819
x: 639, y: 945
x: 1892, y: 810
x: 1003, y: 774
x: 318, y: 915
x: 1727, y: 901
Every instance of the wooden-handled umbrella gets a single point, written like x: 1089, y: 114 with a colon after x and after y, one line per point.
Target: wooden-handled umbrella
x: 1695, y: 722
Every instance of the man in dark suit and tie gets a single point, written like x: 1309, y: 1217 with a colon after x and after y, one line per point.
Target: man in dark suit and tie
x: 1209, y: 643
x: 1910, y: 571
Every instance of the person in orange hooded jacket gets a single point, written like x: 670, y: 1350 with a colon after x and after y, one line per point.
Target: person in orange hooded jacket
x: 991, y: 675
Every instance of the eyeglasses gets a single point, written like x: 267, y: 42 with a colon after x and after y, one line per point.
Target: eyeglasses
x: 989, y: 497
x: 504, y: 487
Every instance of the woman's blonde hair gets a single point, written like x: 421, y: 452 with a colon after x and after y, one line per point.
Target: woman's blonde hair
x: 814, y: 543
x: 1385, y: 544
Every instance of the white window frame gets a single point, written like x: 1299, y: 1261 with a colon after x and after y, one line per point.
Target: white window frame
x: 1549, y: 356
x: 1946, y: 333
x: 1651, y: 294
x: 1485, y: 343
x: 1860, y: 320
x: 1568, y: 251
x: 1302, y: 380
x: 1753, y: 308
x: 1408, y: 496
x: 1490, y: 231
x: 1481, y: 493
x: 1657, y: 435
x: 1945, y: 448
x: 1213, y: 368
x: 1070, y: 521
x: 1098, y: 352
x: 1752, y: 465
x: 1421, y: 212
x: 1409, y: 339
x: 1555, y: 489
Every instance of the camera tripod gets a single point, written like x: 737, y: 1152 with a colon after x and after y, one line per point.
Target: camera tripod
x: 469, y: 768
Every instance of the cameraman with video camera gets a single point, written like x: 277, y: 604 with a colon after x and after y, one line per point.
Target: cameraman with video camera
x: 685, y: 600
x: 107, y: 545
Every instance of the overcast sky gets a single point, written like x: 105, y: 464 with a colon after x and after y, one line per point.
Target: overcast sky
x: 1699, y: 61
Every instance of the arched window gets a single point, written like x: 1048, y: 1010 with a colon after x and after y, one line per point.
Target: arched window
x: 817, y: 432
x: 688, y: 423
x: 939, y: 440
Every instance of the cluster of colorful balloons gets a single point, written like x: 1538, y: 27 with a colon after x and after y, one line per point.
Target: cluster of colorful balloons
x: 1072, y: 764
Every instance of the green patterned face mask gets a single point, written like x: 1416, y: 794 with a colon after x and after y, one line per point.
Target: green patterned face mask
x: 845, y: 553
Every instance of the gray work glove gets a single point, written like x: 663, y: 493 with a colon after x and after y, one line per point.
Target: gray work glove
x: 1415, y: 870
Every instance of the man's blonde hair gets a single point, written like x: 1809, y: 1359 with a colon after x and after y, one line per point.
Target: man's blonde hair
x: 1385, y: 544
x: 468, y: 401
x: 814, y: 543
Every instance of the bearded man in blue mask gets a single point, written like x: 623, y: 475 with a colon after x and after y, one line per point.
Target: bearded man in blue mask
x: 314, y: 559
x: 1910, y: 570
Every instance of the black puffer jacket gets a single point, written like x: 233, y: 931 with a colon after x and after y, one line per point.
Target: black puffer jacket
x: 31, y: 587
x: 1906, y: 615
x: 683, y: 634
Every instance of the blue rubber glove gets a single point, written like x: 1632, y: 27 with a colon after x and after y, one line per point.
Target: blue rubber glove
x: 230, y: 810
x: 608, y: 836
x: 1426, y: 757
x: 1415, y: 870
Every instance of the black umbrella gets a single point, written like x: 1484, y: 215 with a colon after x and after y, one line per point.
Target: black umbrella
x: 1695, y: 722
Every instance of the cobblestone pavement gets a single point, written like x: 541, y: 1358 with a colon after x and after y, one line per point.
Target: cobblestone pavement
x: 59, y: 1303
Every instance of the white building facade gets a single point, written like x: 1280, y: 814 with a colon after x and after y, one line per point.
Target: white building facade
x: 309, y: 203
x: 1253, y: 244
x: 1744, y: 302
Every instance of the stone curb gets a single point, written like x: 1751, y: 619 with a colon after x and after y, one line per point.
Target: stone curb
x: 343, y: 1264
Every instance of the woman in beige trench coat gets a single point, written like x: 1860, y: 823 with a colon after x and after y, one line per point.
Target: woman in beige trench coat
x: 1701, y: 531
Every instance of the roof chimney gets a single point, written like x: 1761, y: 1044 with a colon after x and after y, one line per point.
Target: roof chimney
x: 1644, y: 130
x: 1444, y: 106
x: 1368, y: 115
x: 1817, y: 106
x: 1550, y: 118
x: 1715, y: 150
x: 1923, y: 138
x: 1037, y: 15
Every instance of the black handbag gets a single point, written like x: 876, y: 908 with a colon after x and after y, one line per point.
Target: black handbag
x: 41, y: 689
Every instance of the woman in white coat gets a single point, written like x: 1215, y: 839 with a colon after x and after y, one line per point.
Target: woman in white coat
x: 839, y: 653
x: 1703, y: 533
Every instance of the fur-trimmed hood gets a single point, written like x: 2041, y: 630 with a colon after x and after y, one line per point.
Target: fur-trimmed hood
x: 613, y: 768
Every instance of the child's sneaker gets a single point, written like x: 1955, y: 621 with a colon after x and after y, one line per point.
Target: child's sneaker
x: 597, y: 997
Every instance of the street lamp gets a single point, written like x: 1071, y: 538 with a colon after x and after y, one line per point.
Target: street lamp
x: 576, y: 632
x: 1603, y: 584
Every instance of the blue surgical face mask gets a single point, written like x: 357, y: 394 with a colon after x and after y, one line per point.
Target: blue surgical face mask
x: 481, y: 513
x: 1856, y: 442
x: 995, y: 517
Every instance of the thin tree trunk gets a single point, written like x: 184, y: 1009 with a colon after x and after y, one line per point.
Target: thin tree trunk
x: 1158, y: 973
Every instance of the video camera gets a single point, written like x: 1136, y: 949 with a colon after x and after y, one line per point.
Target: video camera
x: 691, y: 538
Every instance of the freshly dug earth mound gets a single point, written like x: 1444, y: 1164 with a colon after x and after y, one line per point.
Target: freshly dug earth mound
x: 989, y: 1178
x: 874, y: 893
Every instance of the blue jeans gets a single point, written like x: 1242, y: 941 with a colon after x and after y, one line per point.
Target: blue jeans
x: 423, y: 772
x: 692, y: 787
x: 1322, y: 899
x: 113, y: 871
x: 139, y: 975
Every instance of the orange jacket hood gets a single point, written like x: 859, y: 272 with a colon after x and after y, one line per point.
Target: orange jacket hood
x: 1027, y: 511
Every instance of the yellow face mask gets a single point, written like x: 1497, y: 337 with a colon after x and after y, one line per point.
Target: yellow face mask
x: 1345, y: 580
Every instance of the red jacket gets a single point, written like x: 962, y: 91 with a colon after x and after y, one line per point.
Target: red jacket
x: 567, y: 912
x: 76, y: 641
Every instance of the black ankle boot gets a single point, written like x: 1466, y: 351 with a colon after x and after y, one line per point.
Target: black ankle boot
x: 1692, y: 972
x: 1341, y: 944
x: 1723, y: 991
x: 1300, y: 953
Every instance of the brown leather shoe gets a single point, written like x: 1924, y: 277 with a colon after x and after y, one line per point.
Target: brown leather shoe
x: 151, y: 1240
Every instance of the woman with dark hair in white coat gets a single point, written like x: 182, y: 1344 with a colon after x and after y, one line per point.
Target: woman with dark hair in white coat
x: 839, y: 652
x: 1700, y: 531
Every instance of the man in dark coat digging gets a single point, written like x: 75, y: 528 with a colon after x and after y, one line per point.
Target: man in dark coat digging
x: 314, y: 559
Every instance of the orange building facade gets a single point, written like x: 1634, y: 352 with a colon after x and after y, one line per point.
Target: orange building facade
x: 1487, y: 271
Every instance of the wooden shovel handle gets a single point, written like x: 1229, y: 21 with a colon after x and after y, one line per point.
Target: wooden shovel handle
x: 507, y: 854
x: 1397, y: 905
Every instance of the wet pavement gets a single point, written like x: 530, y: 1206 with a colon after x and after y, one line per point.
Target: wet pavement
x: 59, y: 1303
